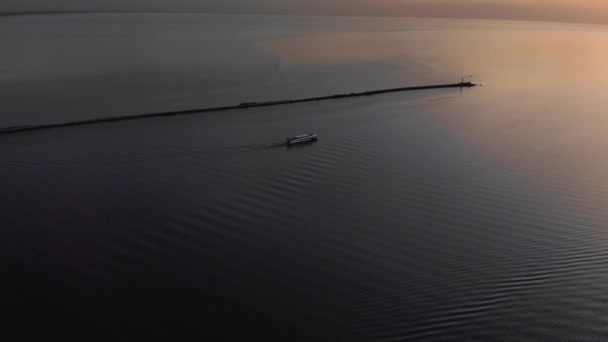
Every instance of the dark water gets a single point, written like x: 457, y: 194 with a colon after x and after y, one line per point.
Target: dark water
x: 439, y: 215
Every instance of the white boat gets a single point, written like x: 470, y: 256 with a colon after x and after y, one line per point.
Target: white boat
x: 300, y: 139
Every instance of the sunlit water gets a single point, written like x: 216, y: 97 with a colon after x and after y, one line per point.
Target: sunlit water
x: 435, y: 215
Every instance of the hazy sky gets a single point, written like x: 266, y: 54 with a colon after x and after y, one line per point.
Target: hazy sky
x: 557, y: 10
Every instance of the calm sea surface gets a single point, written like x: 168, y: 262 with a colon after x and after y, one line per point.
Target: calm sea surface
x: 478, y: 214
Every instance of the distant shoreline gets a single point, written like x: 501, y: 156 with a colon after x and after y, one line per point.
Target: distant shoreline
x: 244, y: 105
x: 395, y: 16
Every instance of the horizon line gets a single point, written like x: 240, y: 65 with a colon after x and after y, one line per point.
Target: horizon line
x: 25, y: 13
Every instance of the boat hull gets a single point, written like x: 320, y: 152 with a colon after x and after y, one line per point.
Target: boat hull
x: 302, y: 139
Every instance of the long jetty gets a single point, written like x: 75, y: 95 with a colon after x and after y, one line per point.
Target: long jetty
x: 244, y: 105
